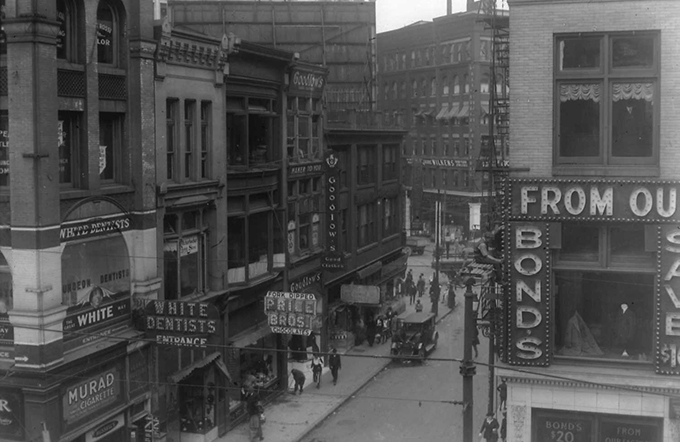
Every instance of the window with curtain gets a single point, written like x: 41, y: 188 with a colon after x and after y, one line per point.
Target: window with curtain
x: 184, y: 253
x: 607, y: 105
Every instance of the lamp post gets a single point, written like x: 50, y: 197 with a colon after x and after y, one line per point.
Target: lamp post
x: 437, y: 239
x: 467, y: 368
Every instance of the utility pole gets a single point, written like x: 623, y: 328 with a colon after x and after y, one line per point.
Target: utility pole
x: 437, y: 238
x: 467, y: 367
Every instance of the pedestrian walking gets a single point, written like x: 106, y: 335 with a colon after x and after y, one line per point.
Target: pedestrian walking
x: 502, y: 393
x: 475, y: 338
x: 335, y: 365
x: 419, y: 306
x: 421, y: 286
x: 255, y: 412
x: 299, y: 378
x: 489, y: 430
x: 409, y: 277
x: 412, y: 292
x: 317, y: 367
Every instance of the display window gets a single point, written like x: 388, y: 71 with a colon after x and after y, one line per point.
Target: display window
x: 197, y: 395
x: 565, y: 426
x: 604, y: 282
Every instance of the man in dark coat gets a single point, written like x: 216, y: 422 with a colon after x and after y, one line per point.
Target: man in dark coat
x: 489, y: 430
x: 335, y: 364
x: 299, y: 378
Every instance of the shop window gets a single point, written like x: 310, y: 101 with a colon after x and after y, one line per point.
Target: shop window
x: 67, y: 47
x: 184, y: 253
x: 108, y: 34
x: 4, y: 150
x: 251, y: 131
x: 366, y: 227
x: 69, y: 142
x: 604, y: 280
x: 614, y: 88
x: 259, y: 366
x: 569, y: 426
x: 366, y: 165
x: 111, y: 142
x: 206, y: 138
x: 197, y: 401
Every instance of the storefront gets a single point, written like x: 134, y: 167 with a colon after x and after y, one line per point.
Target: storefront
x: 11, y: 414
x: 593, y: 267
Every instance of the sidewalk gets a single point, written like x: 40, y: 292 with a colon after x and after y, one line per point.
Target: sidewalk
x: 290, y: 417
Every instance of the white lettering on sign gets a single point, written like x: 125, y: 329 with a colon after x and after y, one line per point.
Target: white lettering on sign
x: 669, y: 354
x: 91, y: 388
x: 4, y: 406
x: 307, y: 80
x: 528, y: 294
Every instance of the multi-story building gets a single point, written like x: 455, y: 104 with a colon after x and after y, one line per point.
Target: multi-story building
x: 434, y: 78
x: 77, y: 218
x: 592, y: 223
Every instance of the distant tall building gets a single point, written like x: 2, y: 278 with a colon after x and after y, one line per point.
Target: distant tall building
x: 434, y: 77
x: 592, y: 223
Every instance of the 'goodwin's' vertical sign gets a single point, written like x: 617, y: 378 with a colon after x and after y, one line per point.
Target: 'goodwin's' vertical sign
x: 332, y: 259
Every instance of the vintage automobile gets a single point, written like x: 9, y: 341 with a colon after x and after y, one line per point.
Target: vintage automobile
x: 414, y: 336
x: 416, y: 245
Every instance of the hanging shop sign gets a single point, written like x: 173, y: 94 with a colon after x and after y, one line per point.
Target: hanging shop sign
x: 11, y: 415
x: 95, y: 393
x: 332, y: 259
x: 290, y: 312
x: 180, y: 323
x: 304, y: 82
x: 596, y: 200
x: 667, y: 360
x: 360, y: 294
x: 303, y: 170
x: 529, y: 300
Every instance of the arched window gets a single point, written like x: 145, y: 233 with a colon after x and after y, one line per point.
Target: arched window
x: 109, y: 28
x: 423, y: 88
x: 433, y: 86
x: 466, y: 84
x: 456, y: 85
x: 394, y: 90
x: 445, y: 85
x: 414, y: 88
x: 67, y: 48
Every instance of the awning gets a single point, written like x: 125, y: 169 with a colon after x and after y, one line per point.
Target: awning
x: 369, y: 270
x: 464, y: 111
x: 485, y: 109
x: 453, y: 111
x: 186, y: 371
x: 443, y: 112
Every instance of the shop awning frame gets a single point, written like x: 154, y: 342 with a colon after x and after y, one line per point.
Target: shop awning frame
x: 443, y: 112
x: 464, y: 111
x: 202, y: 363
x: 453, y: 111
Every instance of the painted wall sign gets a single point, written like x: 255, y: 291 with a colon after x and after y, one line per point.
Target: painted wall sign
x: 290, y: 313
x: 563, y: 429
x: 667, y: 359
x: 446, y: 163
x: 597, y: 199
x: 529, y: 300
x: 307, y: 82
x: 332, y: 258
x: 11, y: 415
x: 96, y: 288
x: 305, y: 281
x: 305, y: 169
x: 91, y: 395
x: 183, y: 324
x: 360, y: 294
x: 94, y: 227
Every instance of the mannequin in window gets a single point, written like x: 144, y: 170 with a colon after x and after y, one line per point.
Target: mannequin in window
x: 624, y: 329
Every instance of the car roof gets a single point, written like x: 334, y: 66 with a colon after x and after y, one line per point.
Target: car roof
x: 416, y: 317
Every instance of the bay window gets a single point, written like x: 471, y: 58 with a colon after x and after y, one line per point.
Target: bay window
x: 252, y: 128
x: 607, y: 99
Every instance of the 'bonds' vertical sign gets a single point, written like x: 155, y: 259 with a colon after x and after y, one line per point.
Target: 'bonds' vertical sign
x: 529, y: 300
x: 332, y: 259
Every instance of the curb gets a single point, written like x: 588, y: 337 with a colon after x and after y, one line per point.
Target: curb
x: 332, y: 410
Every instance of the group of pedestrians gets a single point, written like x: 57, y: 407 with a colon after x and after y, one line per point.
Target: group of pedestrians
x: 334, y: 363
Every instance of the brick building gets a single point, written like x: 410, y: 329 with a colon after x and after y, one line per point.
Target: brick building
x: 434, y: 79
x: 591, y: 227
x: 77, y: 217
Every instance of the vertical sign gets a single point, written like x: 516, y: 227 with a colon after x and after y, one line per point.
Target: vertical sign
x: 529, y: 300
x: 4, y: 151
x: 333, y: 258
x: 668, y: 302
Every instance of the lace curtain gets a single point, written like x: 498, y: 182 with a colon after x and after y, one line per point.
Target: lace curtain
x: 620, y: 91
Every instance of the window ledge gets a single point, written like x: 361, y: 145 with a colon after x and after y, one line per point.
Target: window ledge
x: 109, y: 189
x: 580, y: 170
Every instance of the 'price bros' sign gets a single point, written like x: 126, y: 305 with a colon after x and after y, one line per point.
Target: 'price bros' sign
x: 290, y: 313
x: 534, y: 204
